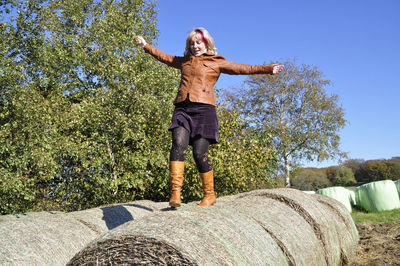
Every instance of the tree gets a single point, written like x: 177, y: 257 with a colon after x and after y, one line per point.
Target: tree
x: 82, y: 108
x: 307, y: 179
x: 354, y: 164
x: 344, y: 176
x: 374, y: 170
x: 295, y: 108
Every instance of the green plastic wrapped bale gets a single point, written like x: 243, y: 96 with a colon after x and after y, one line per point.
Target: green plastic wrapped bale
x: 397, y: 182
x: 378, y: 196
x: 340, y: 194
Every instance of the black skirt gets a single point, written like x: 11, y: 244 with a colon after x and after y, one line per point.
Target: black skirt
x: 199, y: 119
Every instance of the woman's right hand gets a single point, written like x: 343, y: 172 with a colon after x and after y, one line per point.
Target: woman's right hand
x: 140, y: 41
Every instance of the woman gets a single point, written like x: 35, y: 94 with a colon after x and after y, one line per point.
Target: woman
x: 194, y: 120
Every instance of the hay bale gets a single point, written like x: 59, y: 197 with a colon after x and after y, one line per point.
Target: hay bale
x: 315, y: 213
x: 340, y: 194
x: 352, y: 198
x: 108, y: 217
x: 190, y: 236
x: 309, y: 192
x: 378, y: 196
x: 344, y: 226
x: 397, y: 183
x: 264, y: 227
x: 53, y: 238
x: 43, y: 239
x: 286, y: 226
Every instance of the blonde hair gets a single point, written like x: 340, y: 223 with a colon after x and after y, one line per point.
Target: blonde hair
x: 207, y: 39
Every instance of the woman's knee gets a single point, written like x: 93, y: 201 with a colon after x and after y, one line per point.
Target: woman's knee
x: 202, y: 161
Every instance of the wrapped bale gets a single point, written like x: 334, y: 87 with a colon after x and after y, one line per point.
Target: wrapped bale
x: 352, y: 198
x: 377, y: 196
x: 397, y: 183
x: 265, y: 227
x: 340, y: 194
x: 309, y: 192
x: 53, y: 238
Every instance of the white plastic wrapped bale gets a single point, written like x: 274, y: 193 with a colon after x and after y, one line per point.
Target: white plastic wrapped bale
x: 378, y: 196
x: 340, y: 194
x: 309, y: 192
x: 352, y: 197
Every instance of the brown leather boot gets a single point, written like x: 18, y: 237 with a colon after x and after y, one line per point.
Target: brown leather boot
x: 208, y: 186
x: 176, y: 169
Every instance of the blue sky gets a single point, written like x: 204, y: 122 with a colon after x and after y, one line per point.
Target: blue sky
x: 355, y: 43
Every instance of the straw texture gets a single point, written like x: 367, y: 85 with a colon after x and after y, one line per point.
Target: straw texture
x: 263, y: 227
x: 53, y: 238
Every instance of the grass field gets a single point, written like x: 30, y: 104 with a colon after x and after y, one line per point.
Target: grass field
x: 360, y: 217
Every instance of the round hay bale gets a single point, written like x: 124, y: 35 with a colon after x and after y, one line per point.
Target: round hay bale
x: 108, y: 217
x: 344, y: 226
x: 378, y: 196
x: 340, y: 194
x: 285, y: 226
x: 53, y: 238
x: 264, y: 227
x: 45, y: 239
x: 315, y: 214
x: 190, y: 236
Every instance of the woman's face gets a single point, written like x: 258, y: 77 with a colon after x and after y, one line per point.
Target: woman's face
x: 197, y: 46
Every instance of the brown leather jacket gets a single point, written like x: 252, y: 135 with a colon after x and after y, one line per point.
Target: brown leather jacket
x: 200, y: 73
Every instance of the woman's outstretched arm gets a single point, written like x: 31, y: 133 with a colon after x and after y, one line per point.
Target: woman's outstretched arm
x: 170, y: 60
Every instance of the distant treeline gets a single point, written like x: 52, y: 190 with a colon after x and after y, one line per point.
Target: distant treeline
x: 351, y: 172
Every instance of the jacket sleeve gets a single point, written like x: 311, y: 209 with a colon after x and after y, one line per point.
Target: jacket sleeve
x: 170, y: 60
x: 233, y: 68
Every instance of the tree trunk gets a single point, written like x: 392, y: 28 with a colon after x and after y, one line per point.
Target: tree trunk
x: 287, y: 171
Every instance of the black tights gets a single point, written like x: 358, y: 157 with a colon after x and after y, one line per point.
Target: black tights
x: 180, y: 143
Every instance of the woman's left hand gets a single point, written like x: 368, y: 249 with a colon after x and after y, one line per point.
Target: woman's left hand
x: 277, y: 68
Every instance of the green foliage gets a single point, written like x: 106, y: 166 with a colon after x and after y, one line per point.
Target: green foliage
x: 340, y: 175
x: 84, y: 112
x: 354, y: 164
x: 375, y: 170
x: 310, y: 180
x: 343, y: 177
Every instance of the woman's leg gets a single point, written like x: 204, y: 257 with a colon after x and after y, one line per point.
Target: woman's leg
x: 204, y: 166
x: 200, y: 154
x: 180, y: 142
